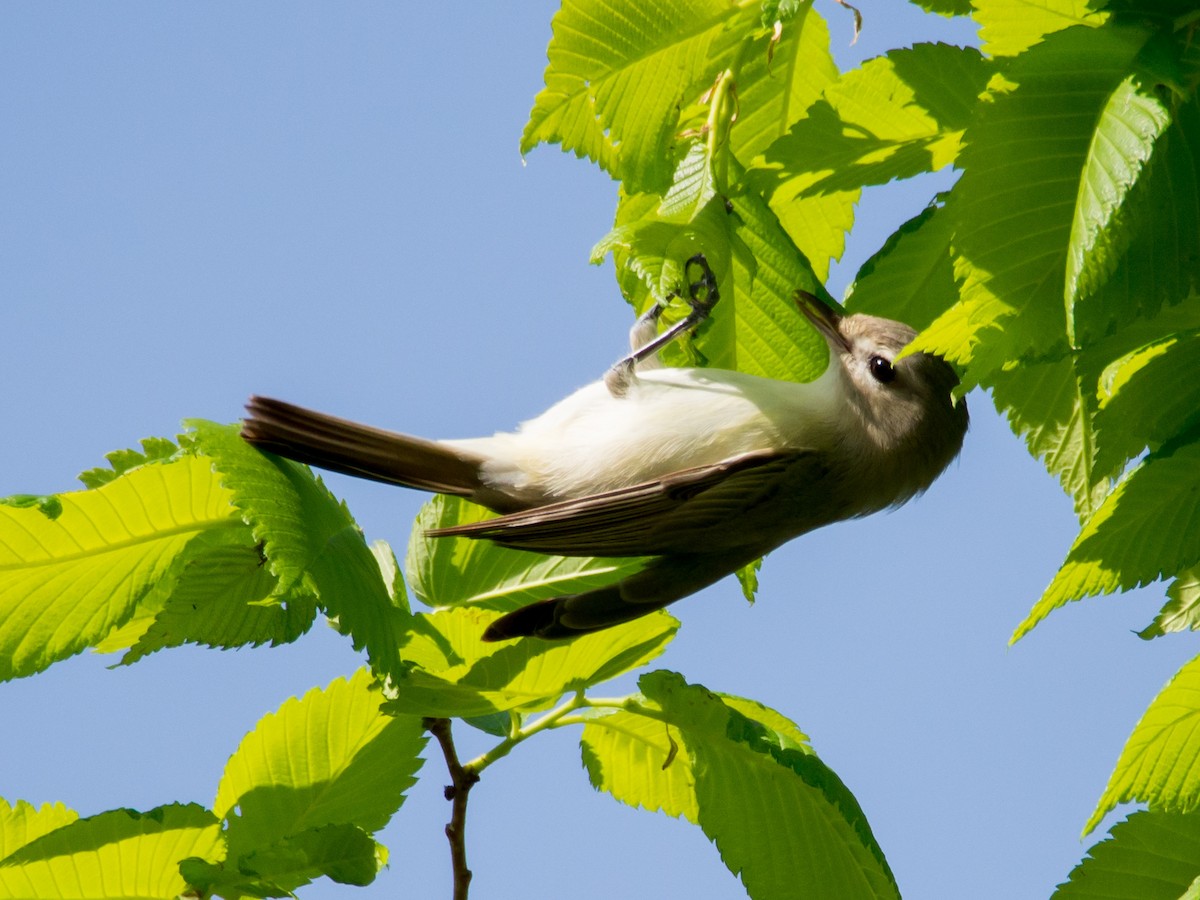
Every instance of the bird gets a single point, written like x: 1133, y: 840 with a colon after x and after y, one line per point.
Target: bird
x: 701, y: 470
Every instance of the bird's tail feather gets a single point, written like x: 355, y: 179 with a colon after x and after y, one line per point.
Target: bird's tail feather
x: 342, y: 446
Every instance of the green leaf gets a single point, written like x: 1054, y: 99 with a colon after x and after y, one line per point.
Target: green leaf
x: 1147, y: 396
x: 120, y: 854
x: 1007, y: 27
x: 756, y: 327
x: 1160, y: 763
x: 774, y: 89
x: 747, y: 577
x: 344, y: 853
x: 776, y: 85
x: 214, y: 879
x: 309, y: 539
x: 450, y: 571
x: 895, y: 117
x: 910, y: 278
x: 1182, y: 610
x: 946, y: 7
x: 1087, y: 414
x: 649, y: 252
x: 453, y: 672
x: 1145, y: 529
x: 1130, y: 124
x: 635, y: 758
x: 1049, y: 404
x: 154, y: 449
x: 330, y: 758
x: 767, y: 335
x: 781, y: 819
x: 224, y: 597
x: 619, y: 72
x: 1148, y: 856
x: 1161, y: 266
x: 692, y: 187
x: 1014, y: 206
x: 21, y: 823
x: 393, y: 578
x: 817, y: 224
x: 67, y: 581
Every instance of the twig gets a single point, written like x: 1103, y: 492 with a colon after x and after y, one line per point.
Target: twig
x: 462, y: 779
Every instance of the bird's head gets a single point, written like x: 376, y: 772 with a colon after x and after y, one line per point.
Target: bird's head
x: 904, y: 404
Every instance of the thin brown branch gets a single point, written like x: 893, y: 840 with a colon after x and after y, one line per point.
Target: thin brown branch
x: 462, y: 779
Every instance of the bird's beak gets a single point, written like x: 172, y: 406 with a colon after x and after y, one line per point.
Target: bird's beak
x: 825, y: 319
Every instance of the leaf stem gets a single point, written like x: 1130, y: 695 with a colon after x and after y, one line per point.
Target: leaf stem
x: 550, y: 720
x: 462, y: 779
x: 722, y: 111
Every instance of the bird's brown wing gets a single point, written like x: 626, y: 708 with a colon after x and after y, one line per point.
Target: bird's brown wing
x: 678, y: 513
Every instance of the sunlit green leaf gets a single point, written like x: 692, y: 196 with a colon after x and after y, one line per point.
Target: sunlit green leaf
x: 21, y: 823
x: 911, y: 278
x: 154, y: 449
x: 1182, y: 609
x: 776, y: 85
x: 309, y: 539
x: 331, y: 757
x: 897, y: 116
x: 1130, y: 123
x: 449, y: 571
x: 221, y: 880
x: 650, y: 251
x: 1009, y: 26
x: 1148, y: 395
x: 818, y: 224
x: 1014, y: 206
x: 1145, y: 529
x: 224, y: 597
x: 1161, y: 266
x: 1160, y: 764
x: 782, y: 821
x: 1148, y: 856
x: 618, y: 73
x: 119, y: 854
x: 747, y: 577
x: 636, y: 759
x: 393, y: 577
x: 66, y: 581
x: 1051, y: 407
x: 693, y: 187
x: 774, y: 90
x: 756, y: 327
x: 767, y: 335
x: 455, y: 673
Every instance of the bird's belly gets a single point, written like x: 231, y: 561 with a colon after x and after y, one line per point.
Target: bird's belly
x: 671, y: 419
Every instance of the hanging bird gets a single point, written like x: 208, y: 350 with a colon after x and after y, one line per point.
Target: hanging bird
x: 703, y: 470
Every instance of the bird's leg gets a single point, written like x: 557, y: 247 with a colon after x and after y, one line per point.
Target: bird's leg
x: 645, y: 330
x: 702, y: 296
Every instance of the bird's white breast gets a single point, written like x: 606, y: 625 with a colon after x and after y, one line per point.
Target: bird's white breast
x: 669, y: 419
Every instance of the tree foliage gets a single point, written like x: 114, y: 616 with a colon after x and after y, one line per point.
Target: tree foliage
x: 1059, y: 273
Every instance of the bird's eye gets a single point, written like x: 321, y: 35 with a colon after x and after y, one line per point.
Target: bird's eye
x: 882, y: 370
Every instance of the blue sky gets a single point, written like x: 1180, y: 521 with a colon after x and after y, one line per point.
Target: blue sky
x: 326, y: 203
